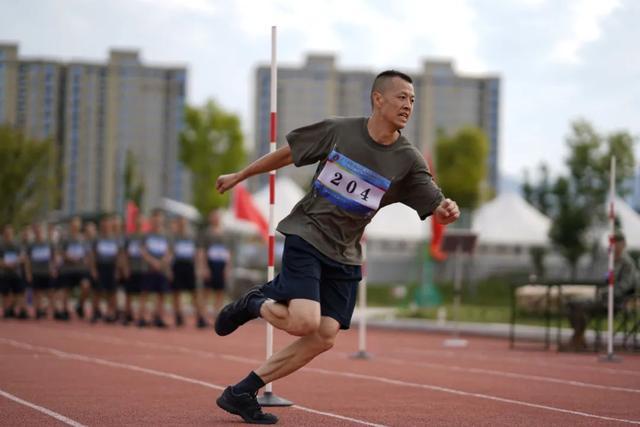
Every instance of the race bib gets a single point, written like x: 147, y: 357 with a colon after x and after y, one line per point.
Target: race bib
x: 218, y: 253
x: 41, y: 254
x: 184, y: 249
x: 75, y: 251
x: 10, y: 258
x: 133, y: 249
x: 107, y: 248
x: 351, y: 186
x: 157, y: 246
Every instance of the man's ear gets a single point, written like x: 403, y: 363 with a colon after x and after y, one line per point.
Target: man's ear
x: 376, y: 98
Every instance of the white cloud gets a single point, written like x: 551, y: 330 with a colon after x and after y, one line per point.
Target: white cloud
x: 399, y: 33
x: 584, y: 26
x: 206, y: 7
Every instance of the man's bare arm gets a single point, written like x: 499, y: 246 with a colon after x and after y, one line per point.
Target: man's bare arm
x: 276, y: 160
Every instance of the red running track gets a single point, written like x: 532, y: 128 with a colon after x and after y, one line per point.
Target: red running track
x: 80, y: 374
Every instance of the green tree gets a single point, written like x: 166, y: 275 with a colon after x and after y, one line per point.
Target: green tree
x: 133, y: 185
x: 28, y: 176
x: 576, y: 202
x: 210, y: 145
x: 461, y: 165
x: 540, y: 196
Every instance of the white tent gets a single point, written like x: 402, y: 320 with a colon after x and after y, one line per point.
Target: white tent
x: 510, y: 220
x: 288, y: 193
x: 179, y: 208
x: 629, y: 224
x: 398, y: 222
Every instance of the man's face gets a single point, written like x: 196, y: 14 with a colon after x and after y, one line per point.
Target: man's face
x: 38, y: 231
x: 396, y: 102
x: 76, y: 225
x: 157, y: 221
x: 7, y: 233
x: 214, y: 219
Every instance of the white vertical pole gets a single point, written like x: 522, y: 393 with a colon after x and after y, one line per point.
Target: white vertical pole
x: 268, y: 398
x: 272, y: 181
x: 362, y: 306
x: 612, y: 217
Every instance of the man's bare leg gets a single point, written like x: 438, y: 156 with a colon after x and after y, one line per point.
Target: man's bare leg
x: 300, y: 317
x: 300, y: 352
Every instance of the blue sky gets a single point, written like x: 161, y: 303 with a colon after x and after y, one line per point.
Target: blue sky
x: 558, y: 60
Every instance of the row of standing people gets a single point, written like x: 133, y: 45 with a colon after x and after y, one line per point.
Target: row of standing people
x: 147, y: 265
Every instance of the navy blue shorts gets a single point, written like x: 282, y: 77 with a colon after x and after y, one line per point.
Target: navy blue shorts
x: 216, y: 279
x: 71, y: 280
x: 12, y: 284
x: 41, y: 282
x: 133, y: 285
x: 106, y: 278
x: 154, y: 281
x: 184, y: 276
x: 309, y: 274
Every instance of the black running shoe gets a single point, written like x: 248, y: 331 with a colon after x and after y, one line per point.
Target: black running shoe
x: 201, y: 324
x: 127, y: 318
x: 237, y: 313
x: 159, y: 323
x: 80, y: 311
x: 64, y: 315
x: 40, y: 314
x: 111, y: 318
x: 8, y: 313
x: 142, y: 323
x: 179, y: 320
x: 246, y: 405
x: 22, y: 314
x: 97, y: 315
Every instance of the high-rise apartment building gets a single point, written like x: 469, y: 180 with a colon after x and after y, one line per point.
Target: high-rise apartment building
x: 97, y: 113
x: 445, y: 100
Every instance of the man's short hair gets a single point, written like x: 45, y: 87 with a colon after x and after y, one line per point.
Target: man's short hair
x: 618, y: 236
x: 381, y: 80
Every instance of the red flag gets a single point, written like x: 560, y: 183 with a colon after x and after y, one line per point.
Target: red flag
x: 437, y: 229
x: 131, y: 216
x: 245, y: 208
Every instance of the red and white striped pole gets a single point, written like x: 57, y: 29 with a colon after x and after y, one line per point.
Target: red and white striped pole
x: 611, y: 275
x: 268, y: 398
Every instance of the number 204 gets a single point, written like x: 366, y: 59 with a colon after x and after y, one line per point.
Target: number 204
x: 351, y: 186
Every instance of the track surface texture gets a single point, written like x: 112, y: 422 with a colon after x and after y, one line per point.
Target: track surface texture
x: 86, y: 375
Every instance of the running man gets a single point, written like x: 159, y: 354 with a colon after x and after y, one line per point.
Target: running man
x: 365, y: 164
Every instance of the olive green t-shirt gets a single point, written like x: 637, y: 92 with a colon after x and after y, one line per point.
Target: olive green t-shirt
x: 355, y: 178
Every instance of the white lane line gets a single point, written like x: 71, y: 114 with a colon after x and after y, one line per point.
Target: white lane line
x: 49, y: 412
x: 465, y: 393
x: 75, y: 356
x: 455, y: 368
x: 365, y: 377
x: 508, y: 375
x: 530, y: 360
